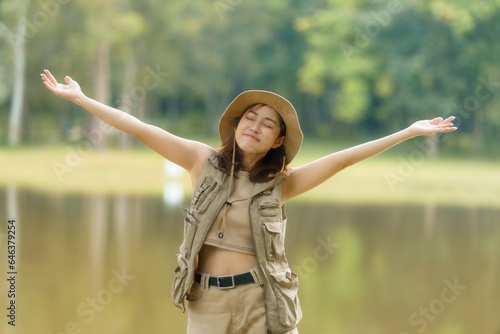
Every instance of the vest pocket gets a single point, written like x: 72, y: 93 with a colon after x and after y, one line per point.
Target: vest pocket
x: 274, y: 240
x: 190, y: 227
x: 179, y: 286
x: 285, y: 288
x: 270, y: 208
x: 205, y: 194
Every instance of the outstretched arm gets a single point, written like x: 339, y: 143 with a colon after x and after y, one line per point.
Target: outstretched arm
x: 313, y: 174
x: 186, y: 153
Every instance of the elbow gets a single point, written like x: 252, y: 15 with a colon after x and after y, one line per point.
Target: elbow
x: 344, y: 163
x: 139, y: 130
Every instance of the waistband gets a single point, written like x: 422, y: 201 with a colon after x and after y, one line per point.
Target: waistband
x: 228, y: 281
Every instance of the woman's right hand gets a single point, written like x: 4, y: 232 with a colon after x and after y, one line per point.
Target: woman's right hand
x: 71, y: 91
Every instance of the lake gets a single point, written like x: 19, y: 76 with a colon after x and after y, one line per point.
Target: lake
x: 103, y: 264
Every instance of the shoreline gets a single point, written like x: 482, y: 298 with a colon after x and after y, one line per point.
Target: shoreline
x: 382, y: 180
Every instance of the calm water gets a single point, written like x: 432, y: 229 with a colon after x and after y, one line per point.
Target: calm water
x: 103, y: 264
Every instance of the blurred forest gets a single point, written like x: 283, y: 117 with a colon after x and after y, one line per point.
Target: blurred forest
x: 351, y: 68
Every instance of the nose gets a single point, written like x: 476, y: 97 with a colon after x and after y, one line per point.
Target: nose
x: 255, y: 128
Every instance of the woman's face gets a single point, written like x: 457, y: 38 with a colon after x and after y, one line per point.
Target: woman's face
x: 258, y: 130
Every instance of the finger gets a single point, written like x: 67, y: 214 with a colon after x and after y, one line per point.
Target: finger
x: 445, y: 125
x: 50, y: 87
x: 44, y: 77
x: 450, y: 129
x: 68, y: 79
x: 449, y: 119
x: 46, y: 81
x: 436, y: 120
x: 51, y: 77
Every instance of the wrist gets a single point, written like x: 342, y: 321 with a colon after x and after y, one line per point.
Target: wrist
x: 79, y: 99
x: 409, y: 133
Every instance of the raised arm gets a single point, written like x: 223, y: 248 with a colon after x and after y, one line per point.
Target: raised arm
x: 186, y: 153
x: 313, y: 174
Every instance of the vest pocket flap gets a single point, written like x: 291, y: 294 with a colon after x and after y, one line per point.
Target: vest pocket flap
x: 274, y: 240
x: 274, y: 227
x: 190, y: 227
x: 269, y: 208
x: 285, y: 289
x: 190, y: 219
x: 286, y: 278
x: 205, y: 194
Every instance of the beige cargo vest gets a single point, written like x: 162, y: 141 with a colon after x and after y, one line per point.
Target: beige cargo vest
x: 268, y: 224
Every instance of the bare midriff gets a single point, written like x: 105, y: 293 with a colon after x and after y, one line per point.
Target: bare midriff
x: 219, y: 262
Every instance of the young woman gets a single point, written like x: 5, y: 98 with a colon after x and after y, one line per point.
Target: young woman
x: 232, y: 266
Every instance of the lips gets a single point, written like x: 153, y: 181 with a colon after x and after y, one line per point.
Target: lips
x: 251, y: 137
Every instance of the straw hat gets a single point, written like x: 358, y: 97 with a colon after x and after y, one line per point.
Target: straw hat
x: 293, y: 138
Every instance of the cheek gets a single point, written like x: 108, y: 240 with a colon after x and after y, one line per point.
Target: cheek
x: 273, y: 134
x: 239, y: 130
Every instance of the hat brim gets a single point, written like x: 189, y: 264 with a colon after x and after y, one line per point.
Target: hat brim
x: 294, y: 136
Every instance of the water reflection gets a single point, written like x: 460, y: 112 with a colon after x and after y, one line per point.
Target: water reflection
x: 362, y: 269
x: 173, y: 191
x: 98, y: 227
x: 12, y: 206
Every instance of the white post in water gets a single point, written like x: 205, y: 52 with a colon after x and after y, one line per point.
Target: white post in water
x: 173, y: 192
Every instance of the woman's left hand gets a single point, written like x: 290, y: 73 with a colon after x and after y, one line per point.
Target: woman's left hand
x: 433, y: 126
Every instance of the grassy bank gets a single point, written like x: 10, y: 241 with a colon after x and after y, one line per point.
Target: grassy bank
x: 400, y: 176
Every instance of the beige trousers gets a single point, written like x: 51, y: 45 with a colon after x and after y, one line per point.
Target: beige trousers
x: 239, y: 310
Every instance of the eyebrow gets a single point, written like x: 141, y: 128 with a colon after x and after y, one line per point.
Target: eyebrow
x: 267, y: 118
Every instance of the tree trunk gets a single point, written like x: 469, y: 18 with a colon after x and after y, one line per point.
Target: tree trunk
x: 127, y: 103
x: 476, y: 132
x: 102, y: 92
x: 16, y: 108
x: 311, y: 114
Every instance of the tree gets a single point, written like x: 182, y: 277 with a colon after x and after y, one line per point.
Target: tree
x: 17, y: 41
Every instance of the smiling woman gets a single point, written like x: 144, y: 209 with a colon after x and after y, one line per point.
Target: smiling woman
x: 257, y: 123
x: 232, y: 266
x: 257, y: 133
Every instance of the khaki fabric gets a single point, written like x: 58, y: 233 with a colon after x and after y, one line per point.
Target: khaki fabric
x: 268, y: 226
x: 238, y: 234
x: 239, y: 310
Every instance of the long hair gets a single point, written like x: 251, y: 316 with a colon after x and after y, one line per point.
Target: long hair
x: 266, y: 168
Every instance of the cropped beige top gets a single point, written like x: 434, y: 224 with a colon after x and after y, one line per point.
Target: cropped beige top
x: 237, y: 233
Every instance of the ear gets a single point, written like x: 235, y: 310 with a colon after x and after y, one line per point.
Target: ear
x: 279, y: 142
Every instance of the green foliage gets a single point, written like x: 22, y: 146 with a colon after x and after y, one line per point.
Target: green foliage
x: 364, y: 66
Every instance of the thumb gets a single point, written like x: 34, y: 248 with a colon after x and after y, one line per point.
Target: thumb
x: 68, y: 79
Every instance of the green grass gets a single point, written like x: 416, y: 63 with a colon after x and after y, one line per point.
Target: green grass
x: 441, y: 181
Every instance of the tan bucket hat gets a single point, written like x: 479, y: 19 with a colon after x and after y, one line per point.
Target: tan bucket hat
x: 294, y: 136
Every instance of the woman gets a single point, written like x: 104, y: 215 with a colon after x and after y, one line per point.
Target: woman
x: 232, y: 266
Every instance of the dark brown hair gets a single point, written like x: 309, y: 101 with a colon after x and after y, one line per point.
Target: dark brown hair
x: 266, y: 168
